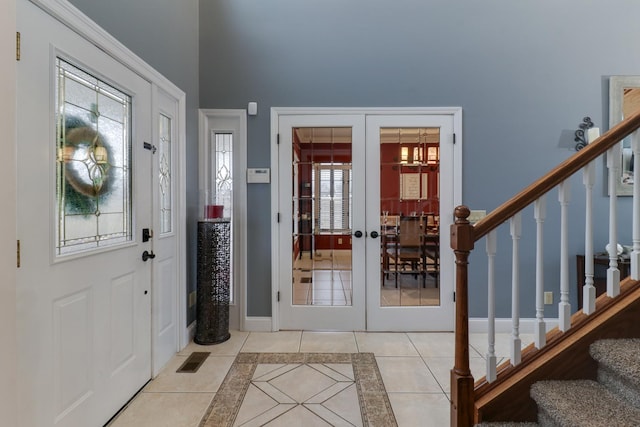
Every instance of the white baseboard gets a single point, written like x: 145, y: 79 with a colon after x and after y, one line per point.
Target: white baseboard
x: 476, y: 325
x: 504, y: 325
x: 258, y: 324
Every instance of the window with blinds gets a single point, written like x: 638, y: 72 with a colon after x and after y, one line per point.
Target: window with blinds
x: 332, y: 188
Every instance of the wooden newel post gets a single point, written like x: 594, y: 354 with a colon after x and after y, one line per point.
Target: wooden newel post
x: 462, y: 398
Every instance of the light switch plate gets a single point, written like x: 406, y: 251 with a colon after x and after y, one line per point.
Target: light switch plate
x: 476, y: 215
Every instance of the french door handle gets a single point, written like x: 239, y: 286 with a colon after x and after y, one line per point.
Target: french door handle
x: 148, y: 255
x: 374, y: 234
x: 358, y: 234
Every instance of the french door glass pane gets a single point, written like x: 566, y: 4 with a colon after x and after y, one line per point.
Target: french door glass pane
x: 321, y: 207
x: 409, y: 223
x: 93, y: 162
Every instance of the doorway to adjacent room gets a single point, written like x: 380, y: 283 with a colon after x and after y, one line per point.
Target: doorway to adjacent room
x: 358, y: 240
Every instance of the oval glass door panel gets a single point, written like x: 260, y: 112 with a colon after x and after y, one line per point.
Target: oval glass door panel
x: 321, y: 213
x: 409, y: 216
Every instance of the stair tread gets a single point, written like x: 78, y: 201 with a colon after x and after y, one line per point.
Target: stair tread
x: 619, y: 355
x: 584, y: 403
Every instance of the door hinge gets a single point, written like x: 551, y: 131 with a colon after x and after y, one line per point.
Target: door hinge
x: 150, y: 147
x: 278, y: 139
x: 278, y: 296
x: 454, y: 297
x: 18, y: 253
x: 454, y: 138
x: 278, y: 216
x: 17, y: 45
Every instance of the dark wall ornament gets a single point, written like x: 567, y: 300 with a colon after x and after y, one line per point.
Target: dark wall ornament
x: 580, y: 133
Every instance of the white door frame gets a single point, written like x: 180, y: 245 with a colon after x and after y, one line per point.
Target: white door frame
x: 235, y: 122
x: 276, y: 112
x: 8, y: 122
x: 73, y: 18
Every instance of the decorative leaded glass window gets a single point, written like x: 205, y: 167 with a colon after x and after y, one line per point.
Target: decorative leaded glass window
x: 222, y: 180
x: 224, y: 171
x: 164, y: 178
x: 93, y: 137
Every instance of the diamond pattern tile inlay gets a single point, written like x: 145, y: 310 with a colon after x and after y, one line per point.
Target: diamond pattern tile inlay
x: 311, y: 384
x: 302, y: 383
x: 310, y: 389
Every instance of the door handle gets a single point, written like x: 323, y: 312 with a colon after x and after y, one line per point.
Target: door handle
x: 148, y: 255
x: 358, y: 234
x: 374, y: 234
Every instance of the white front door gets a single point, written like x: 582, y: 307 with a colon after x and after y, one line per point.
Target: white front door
x: 84, y: 196
x: 338, y: 191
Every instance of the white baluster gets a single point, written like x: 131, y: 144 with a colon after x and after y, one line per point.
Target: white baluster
x: 635, y: 254
x: 491, y: 306
x: 540, y: 329
x: 516, y: 344
x: 613, y: 274
x: 564, y: 307
x: 589, y: 179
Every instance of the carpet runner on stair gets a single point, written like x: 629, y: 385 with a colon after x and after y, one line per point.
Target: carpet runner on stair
x: 612, y: 401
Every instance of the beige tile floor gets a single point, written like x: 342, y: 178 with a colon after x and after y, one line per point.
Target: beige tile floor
x: 325, y: 280
x: 414, y: 367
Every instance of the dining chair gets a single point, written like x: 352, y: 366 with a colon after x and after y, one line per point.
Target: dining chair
x: 432, y: 255
x: 408, y: 253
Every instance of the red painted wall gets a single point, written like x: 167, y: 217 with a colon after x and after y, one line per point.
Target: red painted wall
x: 390, y: 170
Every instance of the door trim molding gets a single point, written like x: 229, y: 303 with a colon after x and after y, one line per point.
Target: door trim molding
x: 73, y: 18
x: 276, y: 112
x: 8, y: 231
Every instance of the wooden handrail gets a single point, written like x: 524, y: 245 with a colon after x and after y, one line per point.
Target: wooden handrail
x: 560, y: 173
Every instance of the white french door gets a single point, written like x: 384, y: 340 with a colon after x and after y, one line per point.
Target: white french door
x: 411, y: 178
x: 321, y: 178
x: 83, y: 294
x: 340, y: 271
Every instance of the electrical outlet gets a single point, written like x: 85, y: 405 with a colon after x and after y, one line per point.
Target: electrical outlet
x: 192, y: 299
x: 548, y: 298
x: 339, y: 240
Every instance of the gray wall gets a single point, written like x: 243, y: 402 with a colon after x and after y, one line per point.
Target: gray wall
x: 163, y: 33
x: 524, y: 73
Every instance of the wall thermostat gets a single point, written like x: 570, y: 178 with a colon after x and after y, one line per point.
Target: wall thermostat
x: 258, y: 175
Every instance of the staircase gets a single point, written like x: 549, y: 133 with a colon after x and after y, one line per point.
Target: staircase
x: 611, y: 401
x: 578, y: 374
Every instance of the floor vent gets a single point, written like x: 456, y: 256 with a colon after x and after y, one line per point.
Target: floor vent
x: 306, y: 280
x: 193, y: 362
